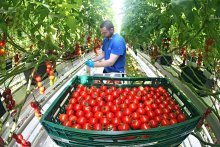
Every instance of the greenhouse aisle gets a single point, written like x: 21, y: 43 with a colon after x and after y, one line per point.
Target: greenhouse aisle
x: 44, y: 140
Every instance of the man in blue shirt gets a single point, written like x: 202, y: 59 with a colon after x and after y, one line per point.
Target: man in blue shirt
x: 113, y: 51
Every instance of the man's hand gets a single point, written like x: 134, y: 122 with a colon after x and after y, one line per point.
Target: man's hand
x: 90, y: 63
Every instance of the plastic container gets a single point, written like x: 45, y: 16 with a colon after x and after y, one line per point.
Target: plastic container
x: 163, y: 136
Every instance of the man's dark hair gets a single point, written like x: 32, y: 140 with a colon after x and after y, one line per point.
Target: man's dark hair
x: 108, y: 24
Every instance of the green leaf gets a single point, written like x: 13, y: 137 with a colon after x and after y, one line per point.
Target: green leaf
x: 71, y: 23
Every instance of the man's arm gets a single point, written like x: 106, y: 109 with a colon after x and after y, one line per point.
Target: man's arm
x: 111, y: 61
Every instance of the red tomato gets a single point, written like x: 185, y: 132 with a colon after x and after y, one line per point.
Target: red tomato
x: 165, y: 122
x: 178, y: 112
x: 145, y: 126
x: 95, y: 94
x: 127, y: 101
x: 110, y: 115
x: 99, y: 99
x: 144, y: 118
x: 150, y: 114
x: 77, y: 126
x: 141, y: 111
x: 110, y: 127
x: 81, y: 120
x: 97, y: 127
x: 165, y: 116
x: 181, y: 117
x: 108, y: 92
x: 172, y: 115
x: 80, y: 113
x: 119, y: 114
x: 63, y: 117
x: 105, y: 109
x: 109, y: 104
x: 115, y: 108
x: 38, y: 79
x: 98, y: 115
x: 69, y: 107
x: 77, y: 107
x: 87, y: 126
x: 68, y: 123
x: 117, y: 101
x: 136, y: 124
x: 89, y: 115
x: 70, y: 112
x: 109, y: 98
x: 73, y: 101
x: 176, y: 107
x: 122, y: 98
x: 103, y: 88
x: 87, y: 109
x: 116, y: 121
x: 148, y: 108
x: 75, y: 94
x: 153, y: 123
x: 126, y: 120
x: 166, y: 110
x: 84, y: 94
x: 115, y: 94
x: 127, y: 112
x: 158, y: 119
x: 88, y: 97
x: 104, y: 121
x: 20, y: 136
x: 123, y: 106
x: 137, y: 98
x: 123, y: 127
x: 170, y: 107
x: 133, y: 106
x: 144, y: 98
x: 119, y: 90
x: 96, y: 108
x: 135, y: 115
x: 72, y: 118
x: 141, y: 105
x: 132, y: 93
x: 93, y: 121
x: 90, y: 91
x: 173, y: 121
x: 127, y: 89
x: 158, y: 111
x: 154, y: 106
x: 158, y: 101
x: 100, y: 103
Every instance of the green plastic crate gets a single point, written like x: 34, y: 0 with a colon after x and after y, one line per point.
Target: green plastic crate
x: 162, y: 136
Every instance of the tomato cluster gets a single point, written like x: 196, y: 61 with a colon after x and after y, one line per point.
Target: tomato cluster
x: 8, y: 99
x: 40, y: 84
x: 97, y: 45
x: 36, y: 107
x: 50, y: 71
x: 120, y: 109
x: 78, y: 51
x: 2, y: 44
x: 166, y: 43
x: 20, y: 140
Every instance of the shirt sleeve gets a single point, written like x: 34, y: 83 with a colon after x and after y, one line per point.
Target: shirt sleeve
x: 103, y: 42
x: 118, y: 47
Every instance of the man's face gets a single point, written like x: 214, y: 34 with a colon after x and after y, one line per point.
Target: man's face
x: 107, y: 33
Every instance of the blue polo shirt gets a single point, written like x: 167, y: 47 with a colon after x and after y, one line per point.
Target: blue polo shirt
x: 115, y: 45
